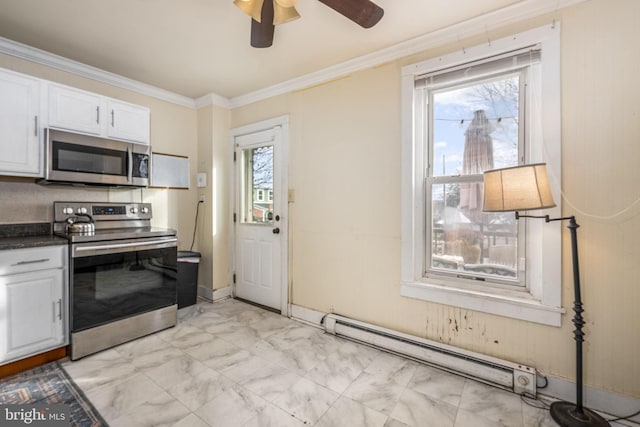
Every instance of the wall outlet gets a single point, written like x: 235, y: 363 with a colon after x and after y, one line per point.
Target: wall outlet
x: 202, y: 198
x: 524, y: 381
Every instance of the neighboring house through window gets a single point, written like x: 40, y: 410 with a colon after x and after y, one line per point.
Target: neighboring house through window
x: 487, y: 107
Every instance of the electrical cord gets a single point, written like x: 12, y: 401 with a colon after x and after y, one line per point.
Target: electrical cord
x: 546, y: 380
x: 195, y: 225
x: 528, y: 400
x: 626, y: 418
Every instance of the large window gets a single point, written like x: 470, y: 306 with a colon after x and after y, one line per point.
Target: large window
x: 487, y: 107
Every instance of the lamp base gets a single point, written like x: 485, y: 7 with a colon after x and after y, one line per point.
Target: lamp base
x: 564, y: 413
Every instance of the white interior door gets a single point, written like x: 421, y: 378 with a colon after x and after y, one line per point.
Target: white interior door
x: 260, y: 216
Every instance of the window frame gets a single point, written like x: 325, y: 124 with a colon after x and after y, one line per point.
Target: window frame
x: 540, y: 300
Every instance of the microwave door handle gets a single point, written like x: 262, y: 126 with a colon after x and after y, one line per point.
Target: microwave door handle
x: 130, y: 163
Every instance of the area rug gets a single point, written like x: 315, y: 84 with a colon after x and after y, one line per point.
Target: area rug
x: 50, y: 384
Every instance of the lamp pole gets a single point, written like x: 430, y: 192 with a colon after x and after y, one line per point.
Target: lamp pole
x: 568, y: 414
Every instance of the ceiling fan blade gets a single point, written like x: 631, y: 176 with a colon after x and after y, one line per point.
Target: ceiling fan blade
x: 363, y: 12
x: 262, y: 32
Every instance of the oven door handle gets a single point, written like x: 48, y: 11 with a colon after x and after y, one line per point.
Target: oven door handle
x: 124, y: 245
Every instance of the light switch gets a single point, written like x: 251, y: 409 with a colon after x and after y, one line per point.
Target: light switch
x: 202, y: 179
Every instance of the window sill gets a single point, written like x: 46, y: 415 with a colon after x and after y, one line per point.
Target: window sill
x: 502, y: 304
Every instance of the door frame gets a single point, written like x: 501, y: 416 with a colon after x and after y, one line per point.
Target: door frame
x: 283, y: 123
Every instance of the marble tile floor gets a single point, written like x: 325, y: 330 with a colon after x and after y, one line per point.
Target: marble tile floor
x: 233, y: 364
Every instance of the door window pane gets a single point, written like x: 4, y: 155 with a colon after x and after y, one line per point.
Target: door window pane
x: 258, y: 182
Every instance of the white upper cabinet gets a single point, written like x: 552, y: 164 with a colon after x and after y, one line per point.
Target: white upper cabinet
x: 29, y: 105
x: 85, y: 112
x: 19, y: 125
x: 76, y: 110
x: 127, y: 121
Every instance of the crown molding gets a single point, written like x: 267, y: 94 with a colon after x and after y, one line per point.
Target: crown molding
x: 520, y: 11
x: 212, y: 99
x: 61, y: 63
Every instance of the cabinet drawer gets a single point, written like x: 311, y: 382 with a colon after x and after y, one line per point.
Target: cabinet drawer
x: 32, y: 259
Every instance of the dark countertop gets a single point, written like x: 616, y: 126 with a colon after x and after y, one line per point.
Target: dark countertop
x: 31, y: 242
x: 20, y: 236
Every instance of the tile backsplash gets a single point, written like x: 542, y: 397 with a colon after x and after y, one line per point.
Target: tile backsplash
x: 24, y: 201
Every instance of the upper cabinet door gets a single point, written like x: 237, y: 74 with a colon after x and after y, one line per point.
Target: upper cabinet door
x: 127, y: 121
x: 19, y: 125
x: 76, y: 110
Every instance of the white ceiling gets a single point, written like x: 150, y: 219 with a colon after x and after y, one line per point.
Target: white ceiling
x: 198, y: 47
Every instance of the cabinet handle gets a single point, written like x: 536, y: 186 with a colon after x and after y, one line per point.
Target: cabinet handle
x: 113, y: 118
x: 98, y: 114
x: 35, y: 127
x: 59, y: 308
x: 30, y: 262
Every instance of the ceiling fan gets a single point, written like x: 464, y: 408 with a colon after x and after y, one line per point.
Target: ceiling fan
x: 266, y: 14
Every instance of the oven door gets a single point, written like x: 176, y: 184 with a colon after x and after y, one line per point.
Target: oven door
x: 117, y: 279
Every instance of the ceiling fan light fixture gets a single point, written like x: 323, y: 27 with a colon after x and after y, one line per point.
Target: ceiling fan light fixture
x: 283, y: 14
x: 286, y: 3
x: 253, y: 8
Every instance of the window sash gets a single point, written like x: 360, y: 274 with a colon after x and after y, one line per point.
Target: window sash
x: 492, y: 69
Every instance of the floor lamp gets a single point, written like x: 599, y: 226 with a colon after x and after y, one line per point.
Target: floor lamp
x: 525, y: 188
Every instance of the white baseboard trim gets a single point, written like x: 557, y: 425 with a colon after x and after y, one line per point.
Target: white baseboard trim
x: 306, y: 315
x: 593, y: 398
x: 206, y: 293
x: 557, y: 388
x: 214, y: 295
x: 221, y: 293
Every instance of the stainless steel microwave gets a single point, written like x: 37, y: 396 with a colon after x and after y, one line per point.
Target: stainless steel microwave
x: 80, y: 159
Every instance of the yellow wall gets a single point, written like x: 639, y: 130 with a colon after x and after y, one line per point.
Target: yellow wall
x: 214, y: 152
x: 345, y: 222
x: 173, y: 131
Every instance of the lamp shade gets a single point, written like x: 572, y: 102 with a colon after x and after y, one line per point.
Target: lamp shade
x: 519, y: 188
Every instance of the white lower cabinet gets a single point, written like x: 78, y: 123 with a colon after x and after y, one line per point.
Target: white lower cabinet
x: 33, y: 303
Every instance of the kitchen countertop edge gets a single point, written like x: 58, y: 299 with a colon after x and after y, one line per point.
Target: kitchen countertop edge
x: 8, y: 243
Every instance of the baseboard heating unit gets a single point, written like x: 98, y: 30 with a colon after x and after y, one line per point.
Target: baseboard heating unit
x: 493, y: 371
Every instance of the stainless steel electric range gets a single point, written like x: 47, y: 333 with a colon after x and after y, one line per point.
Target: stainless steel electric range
x: 122, y: 274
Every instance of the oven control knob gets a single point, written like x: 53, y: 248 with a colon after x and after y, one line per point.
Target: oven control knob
x: 67, y: 211
x: 81, y: 210
x: 144, y: 210
x: 134, y: 210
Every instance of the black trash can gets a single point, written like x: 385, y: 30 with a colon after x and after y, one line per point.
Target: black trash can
x: 187, y: 278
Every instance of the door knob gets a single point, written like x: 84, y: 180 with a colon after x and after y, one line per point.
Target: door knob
x: 276, y: 230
